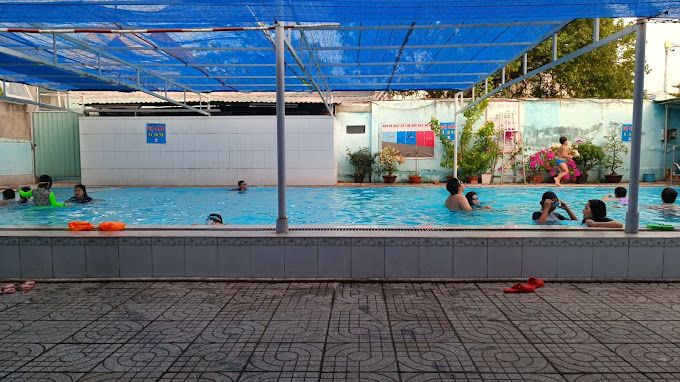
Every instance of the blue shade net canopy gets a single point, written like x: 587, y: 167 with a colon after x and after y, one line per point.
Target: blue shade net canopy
x: 343, y: 45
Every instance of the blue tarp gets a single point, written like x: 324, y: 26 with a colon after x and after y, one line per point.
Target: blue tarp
x: 427, y: 56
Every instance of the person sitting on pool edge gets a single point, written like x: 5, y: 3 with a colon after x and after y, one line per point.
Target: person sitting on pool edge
x: 549, y: 203
x: 79, y: 195
x: 214, y: 219
x: 619, y: 195
x: 242, y: 186
x: 473, y: 200
x: 42, y: 195
x: 595, y: 215
x: 456, y: 201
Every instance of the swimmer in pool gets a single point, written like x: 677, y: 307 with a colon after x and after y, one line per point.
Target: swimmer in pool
x: 473, y: 200
x: 619, y: 196
x: 8, y: 197
x: 214, y: 219
x: 668, y: 196
x: 456, y: 201
x: 564, y: 155
x: 549, y: 203
x: 242, y: 186
x: 79, y: 195
x: 595, y: 215
x: 42, y: 195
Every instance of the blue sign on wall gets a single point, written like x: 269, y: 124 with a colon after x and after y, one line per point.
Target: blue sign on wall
x: 155, y: 133
x: 626, y: 132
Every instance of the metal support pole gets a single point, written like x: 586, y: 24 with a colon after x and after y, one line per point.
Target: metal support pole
x: 486, y: 85
x: 596, y: 30
x: 503, y: 75
x: 665, y: 144
x: 282, y: 219
x: 455, y: 139
x: 633, y: 216
x: 524, y: 64
x: 554, y: 47
x: 54, y: 48
x: 473, y: 93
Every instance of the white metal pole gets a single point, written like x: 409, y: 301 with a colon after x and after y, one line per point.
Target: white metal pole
x: 596, y: 30
x: 666, y: 47
x: 554, y: 47
x: 282, y: 219
x: 455, y: 140
x: 633, y: 216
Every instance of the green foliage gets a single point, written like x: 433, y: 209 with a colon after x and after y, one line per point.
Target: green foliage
x: 448, y: 146
x: 480, y: 156
x: 613, y: 149
x: 590, y: 156
x: 389, y: 159
x: 362, y: 160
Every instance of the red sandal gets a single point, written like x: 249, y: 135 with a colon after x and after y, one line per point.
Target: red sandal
x: 8, y: 289
x: 520, y: 288
x: 536, y: 283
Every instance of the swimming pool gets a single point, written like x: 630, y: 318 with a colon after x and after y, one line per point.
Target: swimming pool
x: 338, y: 206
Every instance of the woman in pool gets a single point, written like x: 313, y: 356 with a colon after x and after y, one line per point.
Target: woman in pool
x: 42, y: 195
x: 473, y: 200
x: 79, y: 195
x: 595, y: 215
x: 564, y: 155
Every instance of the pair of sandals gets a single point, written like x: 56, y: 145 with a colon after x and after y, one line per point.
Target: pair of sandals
x: 531, y: 285
x: 11, y: 288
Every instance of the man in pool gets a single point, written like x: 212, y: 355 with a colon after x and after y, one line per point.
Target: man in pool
x: 214, y: 219
x: 8, y: 197
x: 242, y: 186
x: 668, y: 196
x: 456, y: 201
x: 549, y: 203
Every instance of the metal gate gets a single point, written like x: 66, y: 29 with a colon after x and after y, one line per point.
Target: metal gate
x: 57, y: 144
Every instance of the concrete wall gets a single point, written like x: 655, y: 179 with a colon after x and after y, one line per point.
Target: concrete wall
x: 205, y: 151
x: 16, y: 157
x: 541, y: 121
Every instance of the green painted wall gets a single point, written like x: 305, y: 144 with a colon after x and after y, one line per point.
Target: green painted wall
x: 57, y: 144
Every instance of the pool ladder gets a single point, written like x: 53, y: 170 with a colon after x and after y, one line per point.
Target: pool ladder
x: 673, y: 173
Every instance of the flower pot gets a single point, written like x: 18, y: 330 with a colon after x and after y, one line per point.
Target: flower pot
x: 473, y: 179
x: 389, y: 178
x: 613, y: 178
x: 583, y: 178
x: 358, y: 178
x: 415, y: 179
x: 486, y: 178
x: 536, y: 179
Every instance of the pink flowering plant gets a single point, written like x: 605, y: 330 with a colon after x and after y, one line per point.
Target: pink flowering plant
x: 545, y: 162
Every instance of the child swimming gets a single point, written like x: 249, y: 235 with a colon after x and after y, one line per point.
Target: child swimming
x: 42, y: 195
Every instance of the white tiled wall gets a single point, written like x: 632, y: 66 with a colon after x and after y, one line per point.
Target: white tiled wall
x: 205, y: 151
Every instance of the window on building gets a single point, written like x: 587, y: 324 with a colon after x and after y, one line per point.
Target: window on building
x: 356, y: 129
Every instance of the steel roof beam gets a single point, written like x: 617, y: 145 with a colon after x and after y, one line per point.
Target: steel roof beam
x: 315, y: 62
x: 399, y: 53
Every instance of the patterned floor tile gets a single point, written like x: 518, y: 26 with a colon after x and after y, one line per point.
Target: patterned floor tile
x: 259, y: 310
x: 471, y: 311
x: 584, y: 358
x: 359, y: 356
x: 650, y: 358
x: 358, y: 330
x: 521, y: 310
x: 156, y: 296
x: 414, y: 312
x: 108, y: 332
x: 72, y: 358
x: 43, y: 377
x: 46, y: 332
x: 618, y: 377
x: 9, y: 327
x: 359, y: 310
x: 301, y: 330
x: 649, y: 312
x: 14, y: 356
x: 81, y: 311
x: 489, y: 332
x: 433, y: 357
x: 423, y: 331
x: 301, y: 376
x: 27, y: 311
x: 170, y: 331
x: 523, y: 377
x: 669, y: 330
x: 445, y: 377
x: 592, y: 312
x: 553, y: 332
x: 135, y: 311
x: 121, y: 377
x: 360, y: 376
x: 209, y: 376
x: 287, y: 356
x: 620, y: 332
x: 511, y: 359
x: 147, y: 357
x: 218, y: 357
x: 674, y: 377
x: 181, y: 312
x: 359, y: 292
x: 233, y: 331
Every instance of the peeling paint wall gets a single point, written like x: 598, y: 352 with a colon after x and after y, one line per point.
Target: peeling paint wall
x: 16, y: 157
x: 542, y: 122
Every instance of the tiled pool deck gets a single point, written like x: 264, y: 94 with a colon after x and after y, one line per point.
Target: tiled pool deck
x: 181, y: 331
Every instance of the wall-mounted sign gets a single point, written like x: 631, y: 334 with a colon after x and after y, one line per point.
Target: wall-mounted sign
x: 449, y: 130
x: 626, y: 132
x: 413, y: 140
x: 155, y: 133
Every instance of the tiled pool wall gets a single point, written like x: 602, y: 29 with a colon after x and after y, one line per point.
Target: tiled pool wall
x: 375, y: 255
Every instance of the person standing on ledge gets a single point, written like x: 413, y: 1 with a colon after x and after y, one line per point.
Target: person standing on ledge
x: 564, y: 155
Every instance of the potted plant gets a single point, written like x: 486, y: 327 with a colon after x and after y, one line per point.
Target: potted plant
x: 613, y: 148
x: 488, y: 149
x: 388, y: 160
x: 590, y: 156
x: 448, y: 145
x: 362, y: 160
x: 415, y: 177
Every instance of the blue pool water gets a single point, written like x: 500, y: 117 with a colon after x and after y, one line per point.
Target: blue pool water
x: 382, y: 206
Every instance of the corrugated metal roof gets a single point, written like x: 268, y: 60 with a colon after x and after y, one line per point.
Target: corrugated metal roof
x: 90, y: 98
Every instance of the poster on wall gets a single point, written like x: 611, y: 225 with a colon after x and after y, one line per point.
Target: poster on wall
x: 626, y: 132
x: 413, y: 140
x: 155, y: 133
